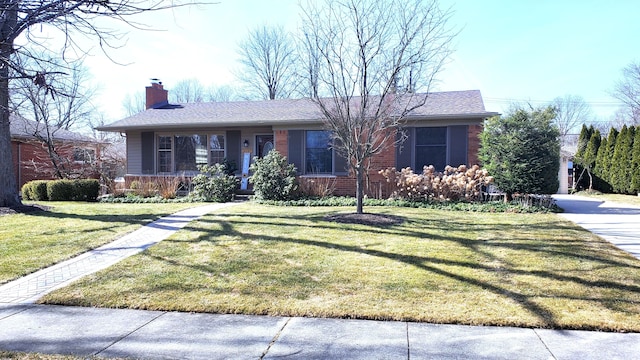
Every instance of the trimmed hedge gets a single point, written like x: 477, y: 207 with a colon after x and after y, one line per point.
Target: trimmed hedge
x: 35, y: 190
x: 61, y: 190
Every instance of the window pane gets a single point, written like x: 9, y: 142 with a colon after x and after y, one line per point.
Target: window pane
x: 164, y: 161
x: 431, y: 136
x: 430, y: 155
x: 191, y: 151
x: 164, y: 154
x: 318, y: 152
x: 216, y: 146
x: 431, y: 148
x: 164, y: 143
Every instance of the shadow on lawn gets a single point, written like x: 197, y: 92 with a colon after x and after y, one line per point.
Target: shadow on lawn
x: 117, y: 220
x: 562, y: 248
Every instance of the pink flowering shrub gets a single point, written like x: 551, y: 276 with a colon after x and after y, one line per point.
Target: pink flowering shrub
x: 461, y: 183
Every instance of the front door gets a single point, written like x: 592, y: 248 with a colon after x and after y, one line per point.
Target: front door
x: 264, y: 144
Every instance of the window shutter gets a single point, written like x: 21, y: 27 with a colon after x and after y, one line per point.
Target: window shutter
x: 296, y: 149
x: 457, y: 145
x: 340, y: 163
x: 147, y: 152
x: 404, y: 150
x: 233, y: 147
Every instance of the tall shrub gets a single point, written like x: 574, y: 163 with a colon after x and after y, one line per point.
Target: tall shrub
x: 522, y: 151
x: 620, y: 170
x: 586, y: 155
x: 214, y: 183
x: 273, y: 177
x: 635, y: 163
x: 607, y: 157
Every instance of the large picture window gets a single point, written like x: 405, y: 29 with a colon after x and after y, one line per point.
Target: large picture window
x: 431, y: 148
x: 191, y: 151
x: 216, y: 148
x: 318, y: 154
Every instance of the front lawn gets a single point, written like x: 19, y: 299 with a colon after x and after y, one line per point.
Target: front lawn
x: 529, y: 270
x: 32, y: 241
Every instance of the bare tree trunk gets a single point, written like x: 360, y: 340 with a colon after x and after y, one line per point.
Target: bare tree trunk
x: 8, y: 186
x: 359, y: 190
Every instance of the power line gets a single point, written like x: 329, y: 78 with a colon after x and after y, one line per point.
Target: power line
x: 512, y: 100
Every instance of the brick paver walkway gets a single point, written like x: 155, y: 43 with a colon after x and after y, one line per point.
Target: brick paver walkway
x: 30, y: 288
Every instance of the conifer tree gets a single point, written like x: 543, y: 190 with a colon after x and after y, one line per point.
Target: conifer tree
x: 621, y: 162
x: 598, y: 169
x: 635, y: 163
x: 607, y: 160
x: 521, y: 150
x: 588, y: 157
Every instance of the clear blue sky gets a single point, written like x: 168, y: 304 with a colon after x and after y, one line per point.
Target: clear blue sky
x: 511, y: 50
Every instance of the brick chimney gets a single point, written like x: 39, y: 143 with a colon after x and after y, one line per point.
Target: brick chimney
x: 156, y: 94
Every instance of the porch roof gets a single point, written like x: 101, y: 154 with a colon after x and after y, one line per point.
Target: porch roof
x: 439, y: 105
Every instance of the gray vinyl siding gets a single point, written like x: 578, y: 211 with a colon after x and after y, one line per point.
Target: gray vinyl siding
x: 134, y: 153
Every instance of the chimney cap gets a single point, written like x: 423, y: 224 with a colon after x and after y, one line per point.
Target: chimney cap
x: 156, y: 81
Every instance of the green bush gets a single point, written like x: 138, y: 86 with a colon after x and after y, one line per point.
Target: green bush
x: 39, y: 190
x: 60, y: 190
x: 86, y: 190
x: 27, y: 191
x: 273, y: 177
x: 214, y: 184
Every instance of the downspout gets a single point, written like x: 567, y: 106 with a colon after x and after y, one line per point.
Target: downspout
x: 19, y: 170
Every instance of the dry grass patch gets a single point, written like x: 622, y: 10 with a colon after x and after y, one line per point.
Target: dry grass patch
x: 529, y: 270
x: 618, y: 198
x: 34, y: 240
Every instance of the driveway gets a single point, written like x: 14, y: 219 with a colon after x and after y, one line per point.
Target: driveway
x: 614, y: 222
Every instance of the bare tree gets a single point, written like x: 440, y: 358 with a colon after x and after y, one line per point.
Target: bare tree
x: 571, y: 112
x: 187, y: 91
x: 268, y: 58
x: 133, y: 104
x: 627, y: 90
x: 50, y: 114
x: 71, y: 18
x: 373, y: 55
x: 221, y: 93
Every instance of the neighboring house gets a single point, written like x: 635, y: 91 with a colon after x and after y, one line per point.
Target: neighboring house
x: 31, y: 159
x: 173, y: 139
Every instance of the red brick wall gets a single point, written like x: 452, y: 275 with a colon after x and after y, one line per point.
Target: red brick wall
x: 473, y: 147
x: 282, y: 142
x: 34, y: 162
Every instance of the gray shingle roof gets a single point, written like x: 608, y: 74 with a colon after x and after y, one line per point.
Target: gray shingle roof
x: 20, y: 127
x: 285, y: 111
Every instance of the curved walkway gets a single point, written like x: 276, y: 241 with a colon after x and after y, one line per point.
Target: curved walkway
x: 614, y: 222
x: 30, y: 288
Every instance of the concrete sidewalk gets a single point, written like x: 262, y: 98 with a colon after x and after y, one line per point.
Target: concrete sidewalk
x: 616, y: 223
x: 169, y: 335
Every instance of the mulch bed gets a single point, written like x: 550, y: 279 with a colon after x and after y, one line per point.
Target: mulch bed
x: 366, y: 219
x: 22, y: 209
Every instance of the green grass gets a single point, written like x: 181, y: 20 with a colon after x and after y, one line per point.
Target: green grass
x: 29, y: 242
x: 618, y: 198
x: 528, y: 270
